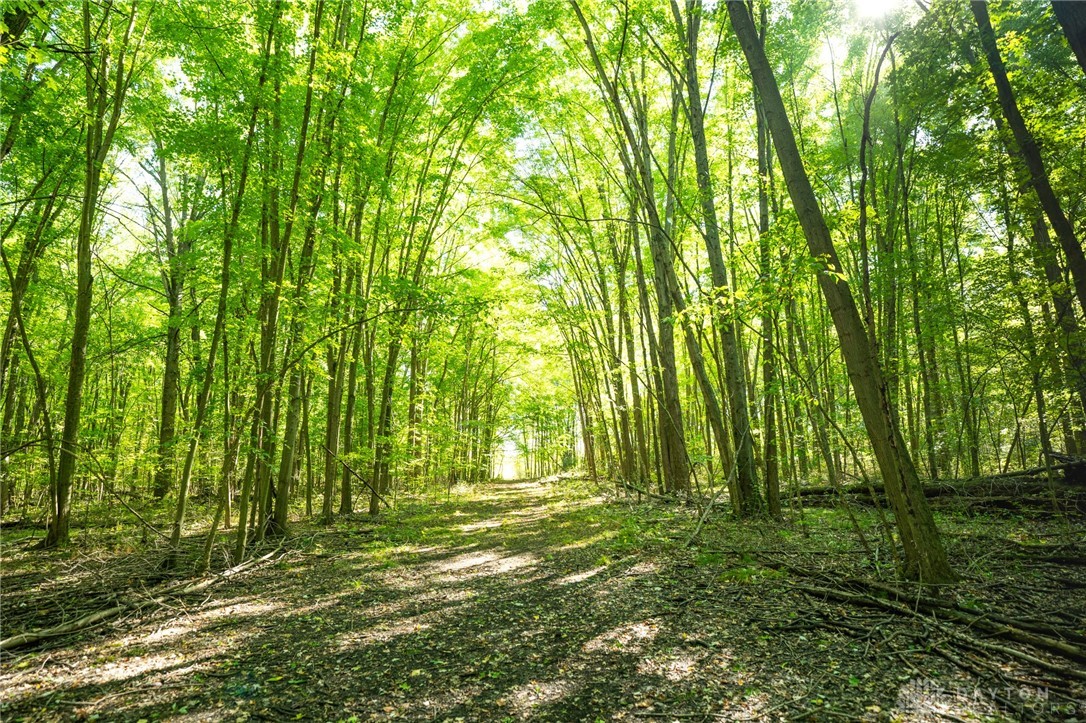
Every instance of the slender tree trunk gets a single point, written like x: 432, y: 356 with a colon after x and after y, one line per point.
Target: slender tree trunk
x: 1067, y: 326
x: 335, y: 360
x: 930, y: 422
x: 346, y: 497
x: 769, y: 320
x: 305, y: 272
x: 748, y: 500
x: 104, y: 95
x: 639, y: 170
x: 382, y: 471
x: 224, y: 288
x: 626, y: 329
x: 648, y: 339
x: 174, y: 282
x: 627, y: 457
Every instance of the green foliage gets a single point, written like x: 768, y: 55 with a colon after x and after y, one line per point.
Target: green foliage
x: 470, y: 255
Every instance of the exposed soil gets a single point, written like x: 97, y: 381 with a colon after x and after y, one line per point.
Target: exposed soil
x: 528, y: 601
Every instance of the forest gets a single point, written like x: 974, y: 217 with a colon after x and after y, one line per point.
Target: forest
x: 568, y: 360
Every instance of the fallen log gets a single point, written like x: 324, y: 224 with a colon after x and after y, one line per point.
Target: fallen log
x: 873, y: 593
x: 83, y: 623
x: 652, y: 495
x: 997, y: 489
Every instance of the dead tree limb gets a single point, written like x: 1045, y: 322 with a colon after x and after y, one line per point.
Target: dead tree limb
x: 88, y: 621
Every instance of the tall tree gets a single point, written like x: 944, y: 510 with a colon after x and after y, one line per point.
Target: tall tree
x: 1030, y: 154
x: 1072, y: 17
x: 109, y: 70
x: 748, y: 500
x: 637, y: 163
x: 925, y: 557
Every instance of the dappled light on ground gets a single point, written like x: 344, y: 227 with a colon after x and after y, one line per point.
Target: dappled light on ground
x: 523, y: 602
x: 579, y: 576
x: 631, y: 638
x: 673, y: 666
x: 526, y: 698
x: 484, y: 564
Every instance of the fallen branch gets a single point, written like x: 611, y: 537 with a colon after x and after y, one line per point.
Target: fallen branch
x: 1014, y: 489
x: 915, y: 603
x: 709, y: 507
x: 357, y: 476
x: 23, y: 446
x: 88, y: 621
x: 139, y: 517
x: 634, y: 488
x: 1060, y: 648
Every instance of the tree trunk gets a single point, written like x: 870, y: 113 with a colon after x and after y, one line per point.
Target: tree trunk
x: 336, y: 358
x: 174, y: 283
x: 382, y: 471
x: 305, y: 272
x: 1031, y: 155
x: 346, y: 497
x: 925, y: 557
x: 638, y: 167
x: 99, y: 138
x: 748, y: 500
x: 1072, y: 17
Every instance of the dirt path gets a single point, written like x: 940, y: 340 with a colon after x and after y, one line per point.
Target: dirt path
x: 524, y: 602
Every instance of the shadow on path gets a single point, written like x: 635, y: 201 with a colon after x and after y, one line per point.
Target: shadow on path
x: 521, y: 602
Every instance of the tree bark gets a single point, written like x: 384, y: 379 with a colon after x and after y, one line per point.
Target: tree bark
x: 99, y: 138
x: 769, y: 321
x: 174, y: 284
x: 748, y: 500
x: 638, y: 168
x: 1072, y: 17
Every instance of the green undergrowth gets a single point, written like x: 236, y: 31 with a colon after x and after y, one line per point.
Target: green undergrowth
x: 564, y: 516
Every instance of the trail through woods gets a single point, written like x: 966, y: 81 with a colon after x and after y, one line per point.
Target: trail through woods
x: 778, y: 308
x: 534, y: 601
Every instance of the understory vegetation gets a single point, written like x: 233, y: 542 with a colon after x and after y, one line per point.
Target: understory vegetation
x: 556, y: 359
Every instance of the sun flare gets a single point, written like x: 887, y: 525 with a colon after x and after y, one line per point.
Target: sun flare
x: 876, y: 8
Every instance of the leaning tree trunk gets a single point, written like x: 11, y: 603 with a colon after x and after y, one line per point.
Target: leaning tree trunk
x: 638, y: 168
x: 925, y: 558
x: 1031, y: 155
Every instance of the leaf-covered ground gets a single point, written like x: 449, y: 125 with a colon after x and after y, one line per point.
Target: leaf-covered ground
x: 527, y: 601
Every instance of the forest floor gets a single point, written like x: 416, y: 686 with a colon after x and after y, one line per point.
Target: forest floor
x: 529, y: 601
